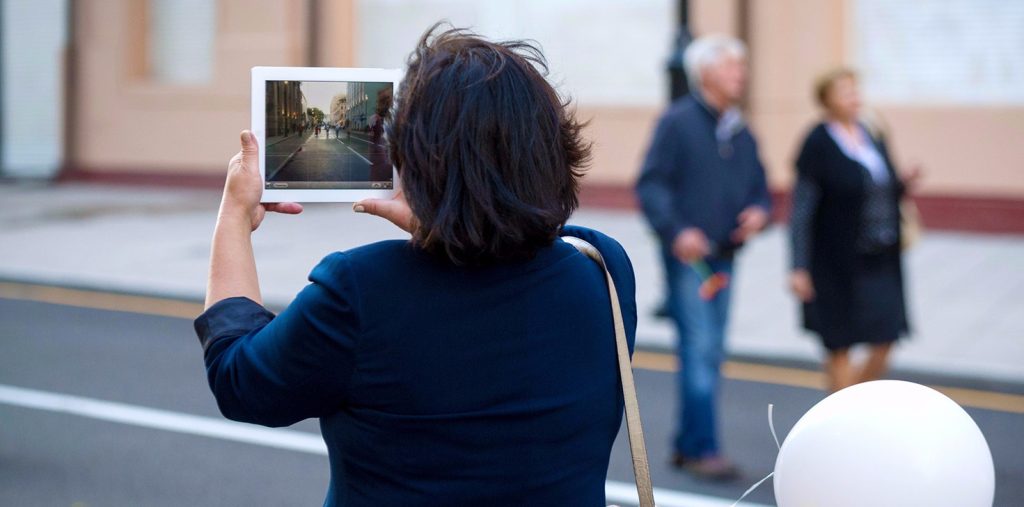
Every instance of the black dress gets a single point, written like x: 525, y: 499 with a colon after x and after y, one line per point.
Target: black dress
x: 845, y: 230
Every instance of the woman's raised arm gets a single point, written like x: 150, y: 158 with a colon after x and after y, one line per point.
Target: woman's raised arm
x: 232, y: 264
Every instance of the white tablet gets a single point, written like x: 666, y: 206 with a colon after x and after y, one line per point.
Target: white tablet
x: 321, y: 132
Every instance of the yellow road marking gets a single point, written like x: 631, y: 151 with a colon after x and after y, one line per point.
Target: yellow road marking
x: 797, y: 377
x: 101, y: 300
x: 655, y: 361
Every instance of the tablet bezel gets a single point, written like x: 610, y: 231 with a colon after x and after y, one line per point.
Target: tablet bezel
x: 260, y: 75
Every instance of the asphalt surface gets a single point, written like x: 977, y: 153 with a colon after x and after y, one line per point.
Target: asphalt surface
x: 321, y: 158
x: 53, y: 458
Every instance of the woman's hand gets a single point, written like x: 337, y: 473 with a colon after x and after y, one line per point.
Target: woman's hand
x: 801, y: 285
x: 912, y: 178
x: 395, y: 210
x: 244, y: 187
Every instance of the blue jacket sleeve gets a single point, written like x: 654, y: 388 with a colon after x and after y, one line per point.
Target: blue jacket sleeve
x: 276, y: 371
x: 658, y: 182
x: 759, y: 195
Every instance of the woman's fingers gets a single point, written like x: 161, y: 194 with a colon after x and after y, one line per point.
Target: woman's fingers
x: 802, y: 286
x: 288, y: 208
x: 394, y: 210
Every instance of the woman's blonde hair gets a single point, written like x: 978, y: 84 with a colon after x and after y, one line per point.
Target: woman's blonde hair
x: 823, y: 83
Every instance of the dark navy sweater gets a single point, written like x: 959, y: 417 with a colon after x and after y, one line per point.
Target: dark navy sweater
x: 437, y: 384
x: 691, y: 179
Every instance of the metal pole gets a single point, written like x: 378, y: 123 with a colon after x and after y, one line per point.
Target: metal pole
x: 313, y: 33
x: 678, y: 86
x: 743, y: 27
x: 70, y: 91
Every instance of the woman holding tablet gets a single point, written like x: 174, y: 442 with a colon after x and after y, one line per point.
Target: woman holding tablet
x: 473, y: 364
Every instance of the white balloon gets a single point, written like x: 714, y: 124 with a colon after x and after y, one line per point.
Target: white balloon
x: 886, y: 443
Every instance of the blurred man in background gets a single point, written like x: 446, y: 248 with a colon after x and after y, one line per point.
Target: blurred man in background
x: 702, y: 188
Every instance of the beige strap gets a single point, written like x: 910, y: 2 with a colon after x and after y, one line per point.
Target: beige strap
x: 641, y: 469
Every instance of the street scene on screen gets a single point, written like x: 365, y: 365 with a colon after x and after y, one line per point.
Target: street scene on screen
x: 323, y: 134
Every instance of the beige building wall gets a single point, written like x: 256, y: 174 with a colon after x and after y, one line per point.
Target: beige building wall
x: 127, y: 122
x: 964, y: 150
x: 621, y: 134
x: 780, y: 105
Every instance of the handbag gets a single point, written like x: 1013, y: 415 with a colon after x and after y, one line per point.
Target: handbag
x: 910, y: 224
x: 637, y: 448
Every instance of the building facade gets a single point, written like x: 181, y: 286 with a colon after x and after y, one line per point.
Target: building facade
x: 610, y: 56
x: 286, y: 108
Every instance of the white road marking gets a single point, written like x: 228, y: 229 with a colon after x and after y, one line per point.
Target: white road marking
x: 371, y: 143
x: 357, y: 138
x: 625, y: 493
x: 354, y: 151
x: 291, y: 440
x: 163, y: 420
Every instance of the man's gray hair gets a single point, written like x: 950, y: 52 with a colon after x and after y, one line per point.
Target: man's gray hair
x: 709, y: 50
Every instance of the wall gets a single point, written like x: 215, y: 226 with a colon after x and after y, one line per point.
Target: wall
x: 780, y: 105
x: 621, y: 134
x: 33, y: 38
x: 126, y: 123
x: 965, y: 150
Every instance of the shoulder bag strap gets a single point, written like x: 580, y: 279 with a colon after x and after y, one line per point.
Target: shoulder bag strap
x: 641, y: 469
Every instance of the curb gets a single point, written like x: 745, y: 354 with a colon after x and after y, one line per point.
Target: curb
x: 919, y: 375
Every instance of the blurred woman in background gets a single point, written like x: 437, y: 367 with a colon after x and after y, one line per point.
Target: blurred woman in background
x: 845, y: 236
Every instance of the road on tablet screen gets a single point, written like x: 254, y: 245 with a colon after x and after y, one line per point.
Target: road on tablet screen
x: 312, y: 157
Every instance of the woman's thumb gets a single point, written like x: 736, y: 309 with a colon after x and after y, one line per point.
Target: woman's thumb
x: 249, y: 146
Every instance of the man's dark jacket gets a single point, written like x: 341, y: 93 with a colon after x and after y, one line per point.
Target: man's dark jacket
x: 691, y: 179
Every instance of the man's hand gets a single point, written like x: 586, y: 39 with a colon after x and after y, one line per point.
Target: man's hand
x: 801, y: 285
x: 752, y: 220
x: 244, y: 188
x: 691, y: 245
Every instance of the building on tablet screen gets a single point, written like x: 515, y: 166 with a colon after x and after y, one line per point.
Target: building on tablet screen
x: 286, y: 111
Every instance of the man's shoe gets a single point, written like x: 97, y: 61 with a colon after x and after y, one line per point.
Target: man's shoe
x: 662, y: 311
x: 678, y: 460
x: 710, y: 468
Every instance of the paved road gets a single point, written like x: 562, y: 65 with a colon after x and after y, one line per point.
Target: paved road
x: 141, y: 360
x: 320, y: 158
x: 966, y: 291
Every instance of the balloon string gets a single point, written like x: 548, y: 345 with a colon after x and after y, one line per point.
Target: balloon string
x: 771, y: 426
x: 751, y: 489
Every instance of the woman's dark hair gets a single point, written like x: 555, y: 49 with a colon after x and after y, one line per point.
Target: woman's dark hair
x: 489, y: 155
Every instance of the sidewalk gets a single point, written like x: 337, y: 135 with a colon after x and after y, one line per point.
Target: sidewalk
x: 966, y: 291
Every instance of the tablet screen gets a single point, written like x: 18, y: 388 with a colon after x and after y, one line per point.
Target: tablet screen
x: 327, y: 135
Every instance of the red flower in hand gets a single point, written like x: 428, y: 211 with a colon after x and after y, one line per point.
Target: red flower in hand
x: 713, y: 285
